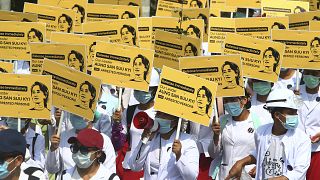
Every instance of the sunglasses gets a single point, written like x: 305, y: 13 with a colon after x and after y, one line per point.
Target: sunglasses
x: 83, y: 149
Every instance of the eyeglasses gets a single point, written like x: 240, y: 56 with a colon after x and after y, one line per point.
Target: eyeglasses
x: 83, y: 149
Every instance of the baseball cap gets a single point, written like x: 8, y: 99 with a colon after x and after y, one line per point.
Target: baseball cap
x: 11, y: 141
x: 88, y: 138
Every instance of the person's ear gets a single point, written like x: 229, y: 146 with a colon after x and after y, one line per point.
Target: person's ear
x: 18, y: 161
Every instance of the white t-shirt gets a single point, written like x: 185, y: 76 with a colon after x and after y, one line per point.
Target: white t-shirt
x: 287, y: 83
x: 274, y: 158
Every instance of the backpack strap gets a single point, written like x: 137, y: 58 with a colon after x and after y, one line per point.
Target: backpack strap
x: 130, y: 112
x: 112, y: 176
x: 30, y: 170
x: 256, y: 121
x: 33, y: 144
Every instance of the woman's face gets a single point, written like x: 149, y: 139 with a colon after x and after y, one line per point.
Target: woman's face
x: 92, y: 50
x: 78, y: 15
x: 193, y: 4
x: 125, y: 16
x: 37, y: 95
x: 126, y: 35
x: 188, y: 52
x: 32, y: 37
x: 63, y: 24
x: 268, y: 59
x: 74, y: 62
x: 191, y: 33
x: 315, y: 48
x: 85, y: 94
x: 202, y: 100
x: 228, y: 73
x: 138, y: 67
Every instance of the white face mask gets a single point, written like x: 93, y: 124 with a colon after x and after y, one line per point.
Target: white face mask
x: 81, y: 160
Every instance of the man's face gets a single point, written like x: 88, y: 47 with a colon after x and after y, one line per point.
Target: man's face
x: 74, y: 62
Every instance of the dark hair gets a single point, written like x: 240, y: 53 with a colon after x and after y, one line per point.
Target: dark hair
x: 81, y: 10
x: 133, y: 4
x: 195, y: 29
x: 79, y: 57
x: 92, y: 90
x: 205, y: 19
x: 26, y: 20
x: 132, y: 30
x: 208, y: 95
x: 91, y: 45
x: 145, y: 62
x: 276, y: 56
x: 300, y: 8
x: 130, y: 14
x: 234, y: 67
x: 280, y: 26
x: 37, y: 33
x: 3, y: 70
x: 44, y: 90
x: 68, y: 19
x: 315, y: 39
x: 199, y: 3
x: 316, y: 18
x: 193, y: 48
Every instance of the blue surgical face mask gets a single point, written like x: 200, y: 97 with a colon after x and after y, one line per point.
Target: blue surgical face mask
x: 165, y: 125
x: 78, y: 122
x: 4, y: 169
x: 81, y: 160
x: 262, y: 88
x: 233, y: 108
x: 143, y: 97
x: 311, y: 81
x: 13, y: 123
x: 291, y: 121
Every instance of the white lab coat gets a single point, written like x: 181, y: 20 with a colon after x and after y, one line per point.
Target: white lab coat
x: 309, y: 116
x: 61, y: 158
x: 102, y: 174
x: 186, y: 168
x: 39, y: 148
x: 257, y: 108
x: 297, y: 148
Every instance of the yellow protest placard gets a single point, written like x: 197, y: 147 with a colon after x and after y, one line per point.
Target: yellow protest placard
x: 314, y: 25
x: 123, y: 31
x: 15, y: 38
x: 123, y: 66
x: 225, y: 70
x: 68, y: 54
x: 195, y: 13
x: 72, y: 90
x: 165, y: 7
x: 221, y: 10
x: 169, y: 24
x: 6, y: 67
x: 300, y: 21
x: 145, y: 32
x: 302, y: 48
x: 169, y: 47
x: 218, y: 27
x: 120, y: 2
x: 193, y: 28
x: 25, y: 96
x: 186, y: 96
x: 312, y: 4
x: 261, y: 59
x: 217, y: 3
x: 18, y: 16
x: 88, y: 40
x: 260, y: 27
x: 102, y: 12
x: 281, y: 8
x: 56, y: 18
x: 244, y: 3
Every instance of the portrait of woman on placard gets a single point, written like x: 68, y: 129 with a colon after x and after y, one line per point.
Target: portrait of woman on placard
x: 127, y: 15
x: 204, y: 101
x: 92, y: 50
x: 128, y: 35
x: 40, y: 96
x: 87, y: 95
x: 65, y: 23
x: 195, y: 4
x: 231, y: 74
x: 205, y: 19
x: 270, y: 59
x: 80, y: 13
x: 193, y: 31
x: 190, y: 50
x: 75, y: 60
x: 278, y: 25
x: 34, y: 35
x: 140, y: 68
x: 299, y: 9
x: 315, y: 49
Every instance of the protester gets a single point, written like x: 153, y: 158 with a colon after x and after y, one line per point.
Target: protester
x: 12, y: 157
x: 282, y: 151
x: 163, y: 156
x: 309, y: 118
x: 88, y: 155
x: 125, y: 136
x: 287, y: 79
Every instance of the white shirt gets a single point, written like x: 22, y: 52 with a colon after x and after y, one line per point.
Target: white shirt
x: 274, y: 158
x: 309, y: 115
x: 257, y: 108
x: 61, y: 158
x: 39, y: 148
x: 186, y: 168
x: 102, y: 173
x: 39, y: 174
x: 135, y: 134
x: 290, y: 83
x: 297, y: 148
